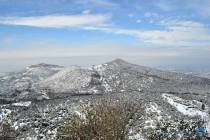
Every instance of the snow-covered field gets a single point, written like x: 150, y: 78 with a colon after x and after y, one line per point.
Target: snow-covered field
x: 190, y: 108
x: 186, y: 107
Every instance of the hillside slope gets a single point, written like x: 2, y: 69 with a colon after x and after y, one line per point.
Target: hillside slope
x: 42, y: 95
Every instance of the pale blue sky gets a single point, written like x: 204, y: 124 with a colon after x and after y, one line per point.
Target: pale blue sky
x: 147, y: 30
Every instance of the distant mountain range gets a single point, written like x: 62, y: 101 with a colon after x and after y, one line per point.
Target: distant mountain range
x: 49, y: 92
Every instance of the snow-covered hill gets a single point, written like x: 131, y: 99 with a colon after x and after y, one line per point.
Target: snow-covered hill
x: 43, y: 94
x: 22, y: 83
x: 69, y: 80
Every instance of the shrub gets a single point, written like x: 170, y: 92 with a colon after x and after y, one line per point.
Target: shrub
x: 103, y: 120
x: 6, y: 131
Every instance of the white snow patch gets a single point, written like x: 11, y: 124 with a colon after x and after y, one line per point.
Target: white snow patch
x: 186, y: 107
x: 100, y: 68
x: 153, y: 107
x: 15, y: 125
x: 150, y: 124
x: 107, y: 86
x: 151, y: 79
x: 4, y: 114
x: 151, y: 110
x: 136, y: 137
x: 95, y: 91
x: 43, y: 96
x: 81, y: 115
x: 26, y: 104
x: 22, y: 124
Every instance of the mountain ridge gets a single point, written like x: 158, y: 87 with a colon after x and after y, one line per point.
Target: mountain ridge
x: 45, y: 94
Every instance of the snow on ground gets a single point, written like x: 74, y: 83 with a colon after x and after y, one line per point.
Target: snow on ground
x: 136, y: 137
x: 67, y: 80
x: 190, y: 108
x: 100, y: 68
x: 150, y: 123
x: 26, y: 104
x: 107, y: 86
x: 153, y: 107
x: 80, y: 114
x: 4, y: 113
x: 152, y: 110
x: 94, y: 90
x: 186, y: 107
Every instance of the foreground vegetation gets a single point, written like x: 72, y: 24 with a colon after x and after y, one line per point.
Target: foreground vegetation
x: 103, y: 120
x: 109, y: 119
x: 6, y: 131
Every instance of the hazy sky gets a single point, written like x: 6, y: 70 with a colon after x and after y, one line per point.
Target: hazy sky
x: 148, y: 32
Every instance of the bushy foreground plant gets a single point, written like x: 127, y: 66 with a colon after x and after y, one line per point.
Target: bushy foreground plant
x: 104, y: 120
x: 6, y: 131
